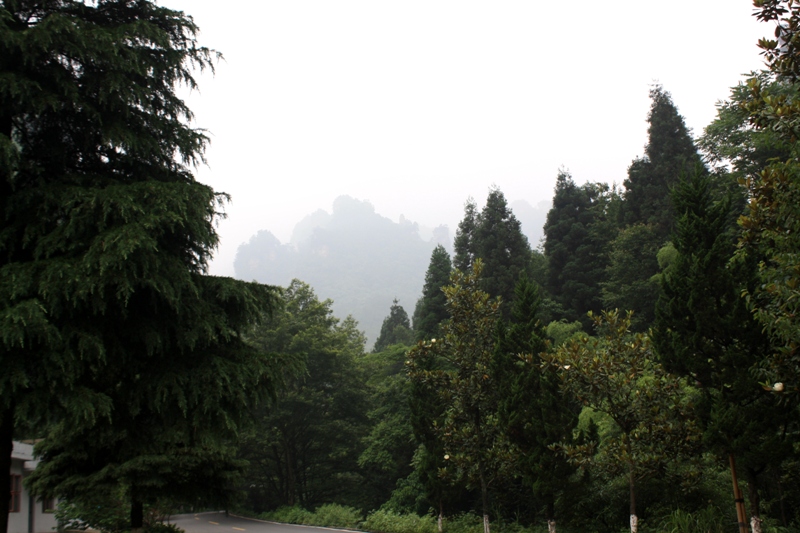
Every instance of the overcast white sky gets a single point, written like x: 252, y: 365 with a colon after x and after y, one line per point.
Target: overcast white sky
x: 416, y: 105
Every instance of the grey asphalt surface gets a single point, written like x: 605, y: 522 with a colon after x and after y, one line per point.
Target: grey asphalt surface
x: 218, y: 523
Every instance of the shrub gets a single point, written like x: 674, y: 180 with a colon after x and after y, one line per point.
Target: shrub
x: 708, y: 520
x: 288, y: 515
x: 390, y: 522
x: 333, y: 515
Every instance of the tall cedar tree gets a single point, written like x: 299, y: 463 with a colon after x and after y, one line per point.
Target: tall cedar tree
x: 531, y: 409
x: 669, y: 153
x: 431, y: 309
x: 495, y: 236
x: 464, y: 243
x: 108, y: 319
x: 578, y: 230
x: 704, y: 330
x: 396, y: 328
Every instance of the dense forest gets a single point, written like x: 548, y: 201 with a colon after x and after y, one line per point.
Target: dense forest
x: 639, y: 370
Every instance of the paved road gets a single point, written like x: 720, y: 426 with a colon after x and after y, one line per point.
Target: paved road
x: 219, y: 523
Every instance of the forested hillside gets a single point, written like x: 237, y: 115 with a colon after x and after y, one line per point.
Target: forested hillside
x: 620, y: 376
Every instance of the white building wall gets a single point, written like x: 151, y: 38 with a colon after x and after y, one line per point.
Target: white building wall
x: 30, y: 518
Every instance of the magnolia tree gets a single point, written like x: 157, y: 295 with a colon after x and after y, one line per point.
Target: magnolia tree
x: 615, y: 374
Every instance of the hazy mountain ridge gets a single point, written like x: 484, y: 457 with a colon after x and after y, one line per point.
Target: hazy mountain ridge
x: 354, y: 256
x: 358, y: 258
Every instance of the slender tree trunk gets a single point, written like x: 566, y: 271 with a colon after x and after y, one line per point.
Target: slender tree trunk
x: 291, y: 479
x: 137, y: 514
x: 781, y: 496
x: 6, y: 448
x: 755, y: 501
x: 440, y: 520
x: 551, y: 517
x: 485, y: 502
x: 738, y: 498
x: 634, y: 517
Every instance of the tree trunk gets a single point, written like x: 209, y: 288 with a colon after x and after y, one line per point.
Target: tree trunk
x: 6, y: 448
x: 634, y: 518
x: 291, y: 479
x: 550, y: 513
x: 755, y: 501
x: 738, y: 498
x: 440, y: 520
x: 137, y: 515
x: 485, y: 502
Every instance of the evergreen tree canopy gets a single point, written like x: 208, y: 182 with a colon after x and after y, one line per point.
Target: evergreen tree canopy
x: 396, y: 328
x: 495, y: 236
x: 464, y: 243
x: 431, y: 308
x: 669, y: 153
x: 579, y: 228
x: 531, y: 409
x: 108, y: 317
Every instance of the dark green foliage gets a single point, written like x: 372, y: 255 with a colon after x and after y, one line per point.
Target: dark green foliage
x: 110, y: 328
x: 669, y: 153
x: 772, y: 222
x: 390, y: 445
x: 305, y: 450
x: 495, y: 236
x: 579, y: 228
x: 464, y: 243
x: 531, y: 409
x: 431, y: 309
x: 630, y: 282
x: 396, y: 329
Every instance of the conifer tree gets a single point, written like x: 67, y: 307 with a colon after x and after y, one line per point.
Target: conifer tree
x: 396, y: 328
x: 495, y: 236
x: 464, y: 243
x: 579, y: 228
x: 431, y: 309
x: 108, y: 316
x: 670, y: 152
x: 532, y: 412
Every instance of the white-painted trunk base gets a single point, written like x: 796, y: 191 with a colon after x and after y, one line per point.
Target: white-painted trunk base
x: 755, y: 524
x: 486, y: 523
x: 634, y: 523
x: 551, y: 526
x: 439, y: 523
